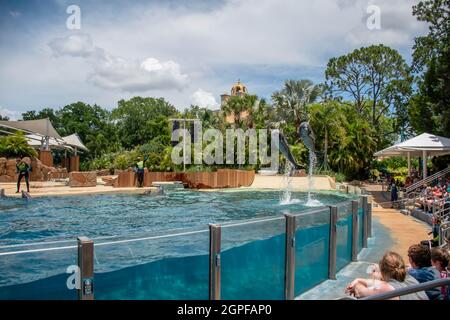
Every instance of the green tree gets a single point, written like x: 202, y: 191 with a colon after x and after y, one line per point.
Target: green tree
x: 139, y: 120
x: 328, y: 121
x: 238, y: 106
x: 376, y: 77
x: 292, y: 101
x: 16, y: 146
x: 429, y: 108
x: 4, y: 118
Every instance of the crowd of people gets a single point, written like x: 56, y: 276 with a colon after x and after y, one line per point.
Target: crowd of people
x: 391, y: 273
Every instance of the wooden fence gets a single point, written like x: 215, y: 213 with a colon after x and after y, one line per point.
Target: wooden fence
x: 222, y: 178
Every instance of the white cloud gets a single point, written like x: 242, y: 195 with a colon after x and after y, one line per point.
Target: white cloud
x: 204, y: 99
x: 154, y: 45
x: 112, y: 72
x: 75, y: 45
x: 11, y: 114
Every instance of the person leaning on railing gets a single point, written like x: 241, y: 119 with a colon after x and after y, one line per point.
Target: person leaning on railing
x: 440, y: 260
x: 421, y: 269
x: 392, y: 276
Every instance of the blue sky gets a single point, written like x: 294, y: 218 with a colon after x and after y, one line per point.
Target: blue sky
x: 188, y: 52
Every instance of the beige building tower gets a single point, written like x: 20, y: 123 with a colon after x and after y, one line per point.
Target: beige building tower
x: 238, y: 89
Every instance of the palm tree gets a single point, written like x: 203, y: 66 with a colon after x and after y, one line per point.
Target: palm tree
x: 327, y: 121
x: 293, y: 99
x: 237, y: 106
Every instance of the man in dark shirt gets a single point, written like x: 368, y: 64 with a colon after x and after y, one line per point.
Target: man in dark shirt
x: 23, y: 169
x: 421, y: 269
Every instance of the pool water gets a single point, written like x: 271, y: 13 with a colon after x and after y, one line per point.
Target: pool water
x: 55, y: 218
x: 157, y: 247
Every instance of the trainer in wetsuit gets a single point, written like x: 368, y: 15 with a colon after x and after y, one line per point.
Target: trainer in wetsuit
x: 23, y: 169
x: 140, y: 172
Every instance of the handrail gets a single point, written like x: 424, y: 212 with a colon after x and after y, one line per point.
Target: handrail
x: 426, y: 180
x: 411, y: 289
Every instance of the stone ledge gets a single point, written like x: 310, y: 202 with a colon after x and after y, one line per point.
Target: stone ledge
x: 82, y: 179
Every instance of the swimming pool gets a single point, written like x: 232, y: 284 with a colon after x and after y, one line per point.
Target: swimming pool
x: 56, y: 218
x: 158, y: 247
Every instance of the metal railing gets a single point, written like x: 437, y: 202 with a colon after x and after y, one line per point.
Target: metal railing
x: 87, y: 247
x: 410, y: 289
x: 427, y: 180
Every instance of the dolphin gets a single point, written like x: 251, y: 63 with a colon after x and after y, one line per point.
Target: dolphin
x: 307, y: 136
x: 26, y: 195
x: 286, y: 151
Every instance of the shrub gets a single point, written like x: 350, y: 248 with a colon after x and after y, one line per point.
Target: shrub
x: 16, y: 146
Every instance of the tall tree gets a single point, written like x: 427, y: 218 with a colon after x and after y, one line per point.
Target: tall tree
x: 139, y: 120
x: 429, y: 108
x: 376, y: 77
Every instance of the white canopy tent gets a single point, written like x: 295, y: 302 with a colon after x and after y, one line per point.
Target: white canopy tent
x: 423, y: 145
x: 74, y: 141
x: 41, y: 127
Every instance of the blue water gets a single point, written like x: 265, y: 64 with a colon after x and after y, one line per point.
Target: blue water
x: 161, y: 268
x: 344, y: 237
x: 94, y: 216
x: 312, y: 241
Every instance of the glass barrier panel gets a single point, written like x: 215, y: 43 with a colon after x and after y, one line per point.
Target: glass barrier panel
x: 344, y: 236
x: 312, y: 249
x: 360, y: 227
x: 157, y: 267
x: 39, y: 271
x: 253, y: 260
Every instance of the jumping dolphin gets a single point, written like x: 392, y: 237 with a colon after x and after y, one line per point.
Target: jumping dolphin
x: 307, y: 135
x: 286, y: 151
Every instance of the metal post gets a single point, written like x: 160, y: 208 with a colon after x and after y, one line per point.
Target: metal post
x: 214, y: 261
x: 289, y: 279
x: 86, y: 265
x: 355, y: 230
x: 365, y: 220
x: 369, y: 219
x: 333, y: 243
x: 184, y: 146
x: 2, y: 193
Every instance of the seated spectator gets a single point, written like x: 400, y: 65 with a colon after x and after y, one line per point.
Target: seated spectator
x: 393, y: 276
x: 421, y: 269
x: 439, y: 260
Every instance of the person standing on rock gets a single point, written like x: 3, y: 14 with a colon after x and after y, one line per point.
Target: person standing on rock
x: 23, y: 167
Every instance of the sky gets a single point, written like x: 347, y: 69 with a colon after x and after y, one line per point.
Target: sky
x: 189, y: 52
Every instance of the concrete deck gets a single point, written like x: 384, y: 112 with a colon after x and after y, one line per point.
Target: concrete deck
x: 41, y: 189
x: 391, y: 231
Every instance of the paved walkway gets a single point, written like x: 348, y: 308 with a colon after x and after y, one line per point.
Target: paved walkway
x: 391, y: 230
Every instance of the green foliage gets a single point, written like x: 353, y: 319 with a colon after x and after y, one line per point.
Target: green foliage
x: 15, y: 146
x: 139, y: 120
x: 376, y: 77
x: 292, y: 101
x: 429, y: 108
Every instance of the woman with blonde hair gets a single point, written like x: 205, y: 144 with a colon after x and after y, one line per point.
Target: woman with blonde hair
x: 392, y: 276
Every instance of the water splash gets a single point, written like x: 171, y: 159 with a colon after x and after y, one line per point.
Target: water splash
x: 312, y: 162
x: 286, y: 196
